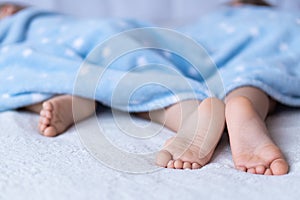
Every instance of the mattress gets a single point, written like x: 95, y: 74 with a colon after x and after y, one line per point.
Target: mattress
x: 36, y: 167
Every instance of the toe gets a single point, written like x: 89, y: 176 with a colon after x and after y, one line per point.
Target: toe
x: 279, y: 167
x: 178, y: 164
x: 251, y: 170
x: 42, y: 127
x: 163, y: 157
x: 50, y: 132
x: 46, y: 113
x: 47, y: 106
x: 49, y: 114
x: 187, y: 165
x: 260, y: 169
x: 45, y: 120
x: 242, y: 168
x: 196, y: 166
x: 171, y: 164
x: 43, y: 113
x: 268, y: 172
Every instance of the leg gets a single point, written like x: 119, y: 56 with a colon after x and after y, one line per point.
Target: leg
x: 253, y: 150
x: 199, y: 127
x: 56, y: 114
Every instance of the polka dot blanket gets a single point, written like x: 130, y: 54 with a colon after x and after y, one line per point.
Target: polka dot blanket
x: 42, y: 54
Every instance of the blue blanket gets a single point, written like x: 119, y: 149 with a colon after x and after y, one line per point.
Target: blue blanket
x: 42, y: 52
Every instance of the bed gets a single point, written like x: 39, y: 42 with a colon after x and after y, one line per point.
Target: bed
x: 36, y: 167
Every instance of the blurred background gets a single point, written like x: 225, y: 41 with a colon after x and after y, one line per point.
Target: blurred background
x: 161, y: 12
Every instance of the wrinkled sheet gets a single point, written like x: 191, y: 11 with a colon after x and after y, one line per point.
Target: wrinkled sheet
x: 36, y: 167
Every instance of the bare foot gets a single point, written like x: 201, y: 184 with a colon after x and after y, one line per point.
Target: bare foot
x: 56, y: 115
x: 195, y: 142
x: 253, y: 150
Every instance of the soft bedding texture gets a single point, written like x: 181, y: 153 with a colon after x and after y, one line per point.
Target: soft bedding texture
x: 35, y: 167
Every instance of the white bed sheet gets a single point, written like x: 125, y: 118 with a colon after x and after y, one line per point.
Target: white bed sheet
x: 35, y: 167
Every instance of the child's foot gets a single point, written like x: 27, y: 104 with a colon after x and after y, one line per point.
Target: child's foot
x: 56, y: 115
x: 252, y: 149
x: 195, y: 142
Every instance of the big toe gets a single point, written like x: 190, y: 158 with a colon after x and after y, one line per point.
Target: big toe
x: 163, y: 157
x: 50, y: 132
x: 279, y: 167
